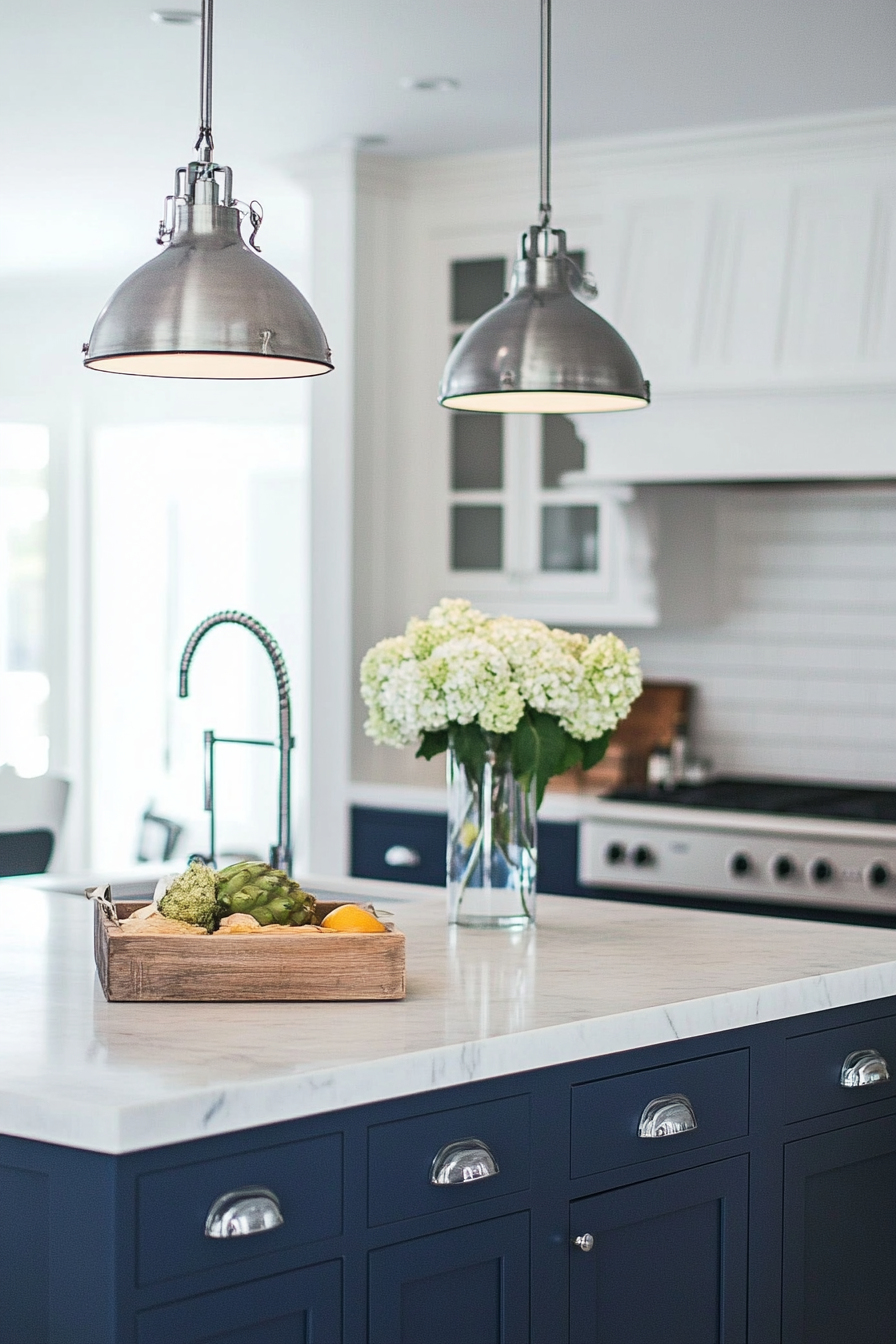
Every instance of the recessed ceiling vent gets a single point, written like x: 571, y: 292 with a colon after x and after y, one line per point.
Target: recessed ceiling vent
x: 430, y: 84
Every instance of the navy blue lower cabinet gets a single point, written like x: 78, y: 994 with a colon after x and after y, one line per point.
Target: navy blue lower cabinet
x: 98, y: 1249
x: 668, y: 1261
x: 302, y: 1307
x: 403, y: 846
x: 840, y: 1236
x: 397, y: 846
x: 467, y: 1286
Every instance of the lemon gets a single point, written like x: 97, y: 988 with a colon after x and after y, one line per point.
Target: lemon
x: 352, y: 919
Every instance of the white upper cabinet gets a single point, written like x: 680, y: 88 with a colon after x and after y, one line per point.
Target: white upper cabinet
x: 752, y: 271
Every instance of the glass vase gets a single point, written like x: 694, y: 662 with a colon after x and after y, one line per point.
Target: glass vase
x: 491, y: 845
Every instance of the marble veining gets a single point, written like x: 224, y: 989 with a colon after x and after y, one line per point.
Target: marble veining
x: 594, y: 978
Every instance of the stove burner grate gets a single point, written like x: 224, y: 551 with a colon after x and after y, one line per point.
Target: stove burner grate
x: 793, y: 798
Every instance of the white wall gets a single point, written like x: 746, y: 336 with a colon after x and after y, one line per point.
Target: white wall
x: 794, y: 651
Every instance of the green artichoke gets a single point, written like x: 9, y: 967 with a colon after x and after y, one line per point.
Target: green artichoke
x: 267, y: 894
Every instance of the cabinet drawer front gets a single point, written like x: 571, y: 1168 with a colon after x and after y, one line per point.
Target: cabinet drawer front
x: 401, y: 1155
x: 606, y: 1114
x: 814, y: 1064
x: 399, y: 846
x: 172, y: 1206
x: 304, y: 1305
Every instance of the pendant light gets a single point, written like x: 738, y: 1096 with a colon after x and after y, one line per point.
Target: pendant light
x: 208, y: 306
x: 543, y: 351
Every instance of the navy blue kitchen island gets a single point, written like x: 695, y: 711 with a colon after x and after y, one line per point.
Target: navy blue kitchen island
x: 681, y: 1160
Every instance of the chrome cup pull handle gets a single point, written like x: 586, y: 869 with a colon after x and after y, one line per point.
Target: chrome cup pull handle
x: 864, y: 1068
x: 665, y: 1116
x: 464, y: 1161
x: 244, y: 1213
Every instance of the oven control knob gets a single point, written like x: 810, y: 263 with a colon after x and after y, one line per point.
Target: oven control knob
x: 614, y: 853
x: 740, y: 864
x: 783, y: 867
x: 877, y: 875
x: 822, y: 870
x: 642, y: 857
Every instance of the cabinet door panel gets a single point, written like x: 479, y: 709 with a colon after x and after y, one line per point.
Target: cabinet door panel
x: 470, y: 1285
x: 840, y: 1236
x: 301, y: 1307
x: 669, y: 1260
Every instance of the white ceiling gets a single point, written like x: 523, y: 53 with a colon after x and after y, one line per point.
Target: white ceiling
x: 94, y: 90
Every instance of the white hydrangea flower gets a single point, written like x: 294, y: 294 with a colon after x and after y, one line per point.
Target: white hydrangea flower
x: 461, y: 666
x: 611, y: 682
x: 474, y: 679
x: 453, y: 616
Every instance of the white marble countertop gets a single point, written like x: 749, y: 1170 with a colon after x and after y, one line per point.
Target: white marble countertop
x: 594, y: 977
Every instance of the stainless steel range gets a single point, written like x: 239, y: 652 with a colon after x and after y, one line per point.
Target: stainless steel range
x: 800, y: 844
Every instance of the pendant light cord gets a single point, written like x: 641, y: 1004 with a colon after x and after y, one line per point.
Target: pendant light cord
x: 206, y: 144
x: 544, y: 162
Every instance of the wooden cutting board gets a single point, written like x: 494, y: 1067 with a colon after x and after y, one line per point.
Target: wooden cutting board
x: 259, y: 967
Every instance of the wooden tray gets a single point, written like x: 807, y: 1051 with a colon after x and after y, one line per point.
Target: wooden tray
x: 180, y: 968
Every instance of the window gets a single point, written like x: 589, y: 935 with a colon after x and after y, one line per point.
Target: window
x: 24, y: 684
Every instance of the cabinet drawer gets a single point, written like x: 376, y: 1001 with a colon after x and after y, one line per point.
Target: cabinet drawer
x: 399, y: 846
x: 606, y: 1114
x: 172, y: 1206
x: 401, y: 1156
x: 814, y: 1064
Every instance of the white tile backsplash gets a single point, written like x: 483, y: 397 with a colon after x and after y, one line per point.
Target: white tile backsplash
x: 796, y: 669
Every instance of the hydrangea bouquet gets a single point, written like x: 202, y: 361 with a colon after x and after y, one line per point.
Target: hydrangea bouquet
x: 513, y: 702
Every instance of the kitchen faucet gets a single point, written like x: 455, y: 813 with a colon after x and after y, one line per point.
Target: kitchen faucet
x: 281, y: 853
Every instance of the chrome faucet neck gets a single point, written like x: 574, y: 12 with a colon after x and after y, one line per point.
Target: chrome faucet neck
x: 281, y: 853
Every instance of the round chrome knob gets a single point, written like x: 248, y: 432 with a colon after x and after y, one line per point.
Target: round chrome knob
x: 822, y: 870
x: 877, y: 875
x: 614, y: 853
x: 642, y: 856
x: 740, y: 864
x: 585, y: 1242
x: 783, y: 867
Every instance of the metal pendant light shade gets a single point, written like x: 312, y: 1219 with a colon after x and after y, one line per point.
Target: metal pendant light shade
x: 543, y: 351
x: 208, y: 306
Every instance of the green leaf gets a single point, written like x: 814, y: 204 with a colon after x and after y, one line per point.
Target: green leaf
x: 470, y: 746
x: 553, y: 742
x: 524, y: 750
x: 594, y: 751
x: 432, y: 743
